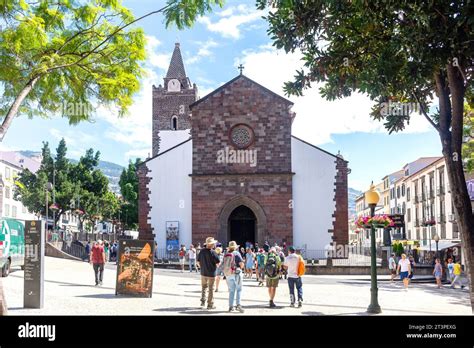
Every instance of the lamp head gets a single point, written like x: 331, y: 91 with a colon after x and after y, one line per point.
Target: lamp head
x: 372, y: 197
x: 436, y: 238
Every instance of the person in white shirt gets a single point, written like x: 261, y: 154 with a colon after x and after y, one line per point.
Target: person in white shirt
x: 404, y: 269
x: 291, y: 265
x: 192, y: 258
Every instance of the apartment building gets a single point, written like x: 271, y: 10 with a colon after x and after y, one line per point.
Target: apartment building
x: 12, y: 163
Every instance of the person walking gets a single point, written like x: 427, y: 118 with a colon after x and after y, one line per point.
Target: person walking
x: 392, y: 267
x: 404, y: 270
x: 450, y: 267
x: 182, y: 257
x: 457, y: 272
x: 292, y: 265
x: 272, y: 270
x: 97, y: 260
x: 260, y: 267
x: 207, y: 262
x: 281, y: 255
x: 233, y: 265
x: 198, y: 250
x: 266, y: 246
x: 249, y: 262
x: 220, y: 267
x: 192, y: 258
x: 412, y: 268
x: 438, y: 272
x: 106, y: 250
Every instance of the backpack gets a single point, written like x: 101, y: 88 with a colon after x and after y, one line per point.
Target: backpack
x: 301, y: 267
x: 271, y: 266
x: 229, y: 264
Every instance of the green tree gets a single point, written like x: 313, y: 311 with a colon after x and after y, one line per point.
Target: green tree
x: 62, y: 56
x: 129, y: 189
x: 395, y: 52
x: 468, y: 145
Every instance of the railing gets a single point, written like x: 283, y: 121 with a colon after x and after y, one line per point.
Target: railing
x: 75, y: 249
x: 452, y: 217
x: 441, y: 218
x: 440, y: 190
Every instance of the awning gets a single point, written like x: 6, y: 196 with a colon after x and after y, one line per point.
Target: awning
x: 443, y: 244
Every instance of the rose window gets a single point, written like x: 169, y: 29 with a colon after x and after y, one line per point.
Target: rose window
x: 241, y: 136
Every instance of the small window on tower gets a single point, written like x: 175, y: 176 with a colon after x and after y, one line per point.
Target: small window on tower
x: 174, y: 123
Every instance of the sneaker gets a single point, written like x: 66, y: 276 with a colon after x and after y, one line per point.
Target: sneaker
x: 231, y: 309
x: 211, y: 307
x: 292, y: 304
x: 203, y: 304
x: 217, y: 290
x: 239, y: 309
x: 300, y: 304
x: 462, y: 287
x: 272, y: 304
x: 96, y: 284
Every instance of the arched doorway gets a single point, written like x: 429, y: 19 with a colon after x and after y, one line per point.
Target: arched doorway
x: 242, y: 224
x: 257, y: 214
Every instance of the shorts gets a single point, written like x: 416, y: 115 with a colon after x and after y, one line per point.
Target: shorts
x: 272, y: 282
x: 393, y: 271
x: 181, y: 261
x: 261, y: 273
x: 437, y: 274
x: 403, y: 275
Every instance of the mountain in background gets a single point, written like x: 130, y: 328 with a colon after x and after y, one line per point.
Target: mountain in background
x: 111, y: 170
x: 352, y: 195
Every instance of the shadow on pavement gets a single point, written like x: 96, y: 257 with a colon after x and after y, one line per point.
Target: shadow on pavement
x: 189, y: 310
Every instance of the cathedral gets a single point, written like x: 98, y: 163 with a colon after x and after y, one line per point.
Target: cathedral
x: 226, y: 165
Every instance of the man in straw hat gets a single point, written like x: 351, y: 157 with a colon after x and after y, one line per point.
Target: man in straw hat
x: 207, y: 262
x: 232, y: 268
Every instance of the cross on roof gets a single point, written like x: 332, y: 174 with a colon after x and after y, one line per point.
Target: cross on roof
x: 240, y: 67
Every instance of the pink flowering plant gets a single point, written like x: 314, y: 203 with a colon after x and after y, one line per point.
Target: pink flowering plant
x: 378, y: 221
x: 54, y: 206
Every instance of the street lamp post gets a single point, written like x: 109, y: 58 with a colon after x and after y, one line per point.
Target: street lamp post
x: 372, y: 197
x: 436, y: 239
x: 48, y: 188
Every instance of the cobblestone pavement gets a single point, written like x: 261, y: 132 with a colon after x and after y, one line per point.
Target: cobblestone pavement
x: 69, y: 290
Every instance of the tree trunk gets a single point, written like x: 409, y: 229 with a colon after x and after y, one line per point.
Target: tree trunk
x: 451, y: 128
x: 13, y: 111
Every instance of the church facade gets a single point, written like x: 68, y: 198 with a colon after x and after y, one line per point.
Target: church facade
x: 226, y: 165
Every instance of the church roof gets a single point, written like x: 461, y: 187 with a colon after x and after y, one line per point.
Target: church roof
x: 289, y: 102
x: 176, y: 68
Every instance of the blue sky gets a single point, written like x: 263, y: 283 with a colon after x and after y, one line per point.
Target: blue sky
x: 212, y: 50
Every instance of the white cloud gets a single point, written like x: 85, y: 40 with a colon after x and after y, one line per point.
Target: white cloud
x: 204, y: 51
x: 316, y: 118
x: 154, y: 58
x: 231, y: 19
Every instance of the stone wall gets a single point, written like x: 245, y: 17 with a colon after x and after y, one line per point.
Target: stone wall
x: 145, y: 229
x: 340, y: 230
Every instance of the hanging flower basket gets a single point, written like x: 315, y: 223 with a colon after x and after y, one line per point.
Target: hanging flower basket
x: 79, y: 212
x: 54, y: 206
x: 378, y: 221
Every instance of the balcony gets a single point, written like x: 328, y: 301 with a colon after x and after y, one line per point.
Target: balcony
x: 440, y: 190
x: 441, y: 218
x: 417, y: 223
x: 452, y: 217
x: 423, y: 196
x: 431, y: 194
x: 428, y: 222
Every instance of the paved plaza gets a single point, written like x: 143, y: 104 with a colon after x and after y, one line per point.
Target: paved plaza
x: 69, y: 290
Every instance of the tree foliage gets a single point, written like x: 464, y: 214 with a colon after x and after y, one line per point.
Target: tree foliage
x: 468, y: 146
x: 68, y: 56
x: 129, y: 189
x: 77, y: 186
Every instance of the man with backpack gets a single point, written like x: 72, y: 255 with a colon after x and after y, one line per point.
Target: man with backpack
x: 260, y: 267
x: 272, y: 270
x: 232, y: 268
x: 294, y: 264
x: 207, y: 261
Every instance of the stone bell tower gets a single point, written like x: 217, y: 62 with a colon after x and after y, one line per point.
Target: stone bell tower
x: 171, y: 102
